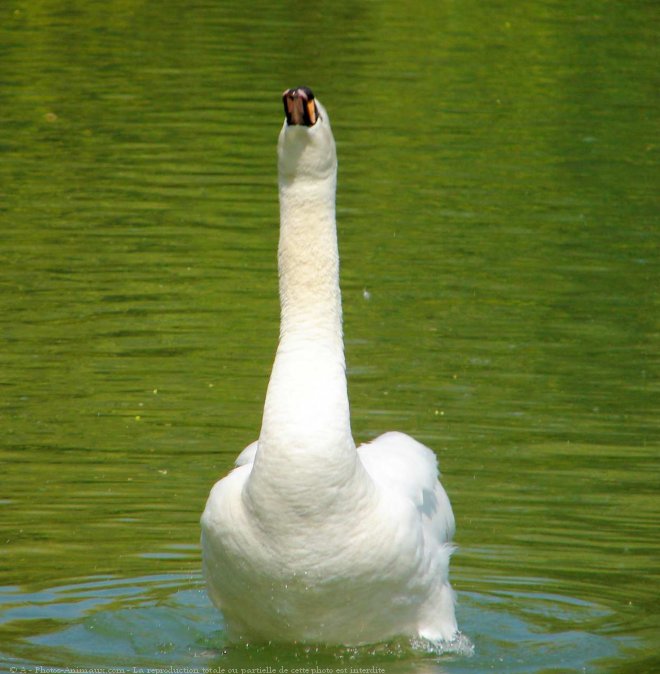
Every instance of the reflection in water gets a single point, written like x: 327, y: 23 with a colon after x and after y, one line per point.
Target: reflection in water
x: 497, y: 223
x: 106, y: 620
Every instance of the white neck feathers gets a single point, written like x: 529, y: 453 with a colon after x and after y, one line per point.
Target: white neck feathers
x: 306, y: 424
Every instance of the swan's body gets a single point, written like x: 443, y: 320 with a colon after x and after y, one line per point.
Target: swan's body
x: 310, y: 539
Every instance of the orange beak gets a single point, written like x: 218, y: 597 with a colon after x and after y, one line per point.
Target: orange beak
x: 299, y: 107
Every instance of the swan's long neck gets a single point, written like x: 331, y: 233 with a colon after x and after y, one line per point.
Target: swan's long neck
x: 308, y: 263
x: 305, y: 437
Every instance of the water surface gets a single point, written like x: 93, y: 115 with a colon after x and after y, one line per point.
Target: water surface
x: 498, y: 231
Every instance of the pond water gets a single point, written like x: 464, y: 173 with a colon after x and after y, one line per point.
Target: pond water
x: 498, y: 230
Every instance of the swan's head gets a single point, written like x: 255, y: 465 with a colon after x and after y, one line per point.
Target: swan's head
x: 306, y: 147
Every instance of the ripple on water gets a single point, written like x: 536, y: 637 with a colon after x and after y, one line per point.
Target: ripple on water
x: 167, y: 621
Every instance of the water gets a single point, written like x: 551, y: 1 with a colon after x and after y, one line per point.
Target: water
x: 498, y: 231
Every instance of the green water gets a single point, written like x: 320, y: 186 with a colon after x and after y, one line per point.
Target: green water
x: 499, y: 238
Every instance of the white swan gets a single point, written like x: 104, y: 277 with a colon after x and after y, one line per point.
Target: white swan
x: 309, y: 539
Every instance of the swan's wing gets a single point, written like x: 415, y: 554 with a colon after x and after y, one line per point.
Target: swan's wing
x: 247, y: 455
x: 398, y: 463
x: 223, y: 517
x: 402, y: 467
x: 226, y: 492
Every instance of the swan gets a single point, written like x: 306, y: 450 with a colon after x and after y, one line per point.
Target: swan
x: 310, y: 539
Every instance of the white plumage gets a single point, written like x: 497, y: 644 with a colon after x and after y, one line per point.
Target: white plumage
x: 309, y: 539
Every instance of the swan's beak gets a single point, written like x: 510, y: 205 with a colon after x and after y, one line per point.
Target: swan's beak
x: 299, y: 107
